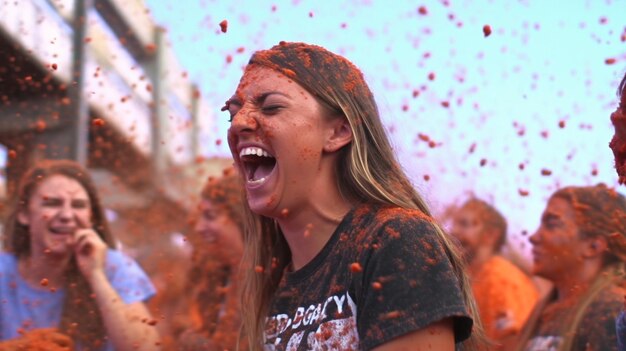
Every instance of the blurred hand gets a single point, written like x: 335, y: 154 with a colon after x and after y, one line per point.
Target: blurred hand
x: 90, y: 252
x: 46, y: 339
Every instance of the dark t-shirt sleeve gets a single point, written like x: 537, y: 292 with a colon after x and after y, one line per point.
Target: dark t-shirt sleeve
x: 408, y: 284
x: 597, y: 329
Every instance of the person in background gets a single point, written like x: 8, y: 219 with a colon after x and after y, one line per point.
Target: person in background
x: 341, y: 251
x: 618, y: 142
x: 618, y: 146
x: 61, y: 278
x: 581, y: 247
x: 213, y: 299
x: 505, y: 295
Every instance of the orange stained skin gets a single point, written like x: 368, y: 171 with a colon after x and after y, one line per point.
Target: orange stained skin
x: 271, y: 111
x: 618, y: 142
x: 468, y: 228
x: 557, y: 248
x: 215, y: 226
x: 438, y: 336
x: 56, y: 211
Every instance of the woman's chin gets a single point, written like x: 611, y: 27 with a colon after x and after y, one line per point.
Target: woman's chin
x: 264, y: 207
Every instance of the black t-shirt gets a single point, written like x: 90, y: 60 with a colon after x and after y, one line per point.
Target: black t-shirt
x: 382, y: 274
x: 595, y: 332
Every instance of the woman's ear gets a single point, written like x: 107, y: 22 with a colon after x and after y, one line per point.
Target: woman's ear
x: 339, y: 135
x: 596, y: 246
x: 22, y: 218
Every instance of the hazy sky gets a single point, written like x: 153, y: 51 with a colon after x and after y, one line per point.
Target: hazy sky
x: 538, y: 91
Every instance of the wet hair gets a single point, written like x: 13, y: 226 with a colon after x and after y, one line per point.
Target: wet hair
x: 81, y: 317
x: 490, y: 218
x: 600, y: 211
x: 366, y: 172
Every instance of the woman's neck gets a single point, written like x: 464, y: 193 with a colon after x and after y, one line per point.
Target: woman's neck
x: 572, y: 285
x: 43, y: 270
x: 309, y: 229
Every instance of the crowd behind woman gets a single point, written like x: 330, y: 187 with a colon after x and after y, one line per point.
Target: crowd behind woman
x: 316, y: 241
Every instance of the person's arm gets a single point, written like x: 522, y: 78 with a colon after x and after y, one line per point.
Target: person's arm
x: 128, y: 325
x: 435, y: 337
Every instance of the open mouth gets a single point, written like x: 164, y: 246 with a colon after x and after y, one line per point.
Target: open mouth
x: 257, y: 163
x: 62, y: 230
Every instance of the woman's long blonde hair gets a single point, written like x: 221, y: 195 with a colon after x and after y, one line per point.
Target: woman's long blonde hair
x: 367, y: 172
x: 600, y: 211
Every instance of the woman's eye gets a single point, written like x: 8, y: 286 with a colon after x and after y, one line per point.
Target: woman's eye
x: 271, y: 109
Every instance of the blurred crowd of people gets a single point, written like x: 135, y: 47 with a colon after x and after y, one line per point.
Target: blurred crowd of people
x: 382, y: 273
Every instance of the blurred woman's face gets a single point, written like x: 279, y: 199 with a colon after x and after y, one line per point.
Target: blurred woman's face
x: 557, y: 245
x: 56, y: 209
x: 277, y: 139
x: 618, y: 142
x: 216, y: 227
x: 469, y: 229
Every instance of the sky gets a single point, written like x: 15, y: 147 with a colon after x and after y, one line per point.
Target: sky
x: 512, y: 116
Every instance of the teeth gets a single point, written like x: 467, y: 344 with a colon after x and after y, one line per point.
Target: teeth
x: 254, y: 151
x: 258, y: 181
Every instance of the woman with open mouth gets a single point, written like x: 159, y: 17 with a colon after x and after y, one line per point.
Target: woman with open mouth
x: 211, y: 307
x: 62, y: 283
x: 346, y: 255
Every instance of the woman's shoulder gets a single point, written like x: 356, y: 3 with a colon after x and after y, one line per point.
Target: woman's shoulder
x: 376, y: 226
x: 390, y: 215
x: 610, y: 300
x: 8, y: 262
